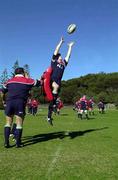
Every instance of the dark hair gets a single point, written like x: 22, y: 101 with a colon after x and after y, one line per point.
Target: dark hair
x: 19, y: 70
x: 58, y: 55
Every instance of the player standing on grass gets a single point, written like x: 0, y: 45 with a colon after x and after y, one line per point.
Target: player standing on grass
x: 58, y: 66
x: 17, y: 89
x: 34, y: 106
x: 83, y: 107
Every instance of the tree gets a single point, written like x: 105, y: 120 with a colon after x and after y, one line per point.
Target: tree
x: 4, y: 77
x: 16, y: 65
x: 27, y: 69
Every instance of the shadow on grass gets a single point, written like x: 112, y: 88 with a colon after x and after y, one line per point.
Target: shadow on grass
x: 84, y: 119
x: 63, y: 114
x: 29, y: 140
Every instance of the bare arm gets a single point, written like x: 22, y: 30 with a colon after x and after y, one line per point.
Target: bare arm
x: 26, y: 74
x: 69, y: 51
x: 3, y: 99
x: 58, y: 46
x: 2, y: 96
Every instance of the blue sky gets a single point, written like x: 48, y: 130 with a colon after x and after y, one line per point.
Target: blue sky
x: 31, y: 29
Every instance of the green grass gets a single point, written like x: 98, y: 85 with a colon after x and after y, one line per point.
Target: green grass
x: 72, y: 149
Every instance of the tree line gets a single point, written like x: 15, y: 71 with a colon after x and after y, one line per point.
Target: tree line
x: 100, y: 86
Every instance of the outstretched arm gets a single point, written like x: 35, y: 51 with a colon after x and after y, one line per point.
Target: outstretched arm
x: 69, y: 51
x: 58, y: 46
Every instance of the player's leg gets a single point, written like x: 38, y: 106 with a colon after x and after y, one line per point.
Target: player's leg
x: 55, y: 87
x: 52, y: 105
x: 100, y: 110
x: 58, y: 111
x: 13, y: 131
x: 86, y: 113
x: 50, y: 110
x: 7, y: 130
x: 30, y: 110
x: 33, y: 111
x: 19, y: 130
x: 9, y: 111
x: 90, y: 111
x: 19, y: 114
x: 81, y: 114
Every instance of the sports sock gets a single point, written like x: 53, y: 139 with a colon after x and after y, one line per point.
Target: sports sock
x: 18, y: 136
x: 50, y: 109
x: 6, y: 134
x: 87, y: 116
x: 54, y: 98
x: 80, y: 116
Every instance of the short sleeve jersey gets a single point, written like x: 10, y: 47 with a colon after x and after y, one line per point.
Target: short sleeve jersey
x: 18, y: 87
x: 58, y: 68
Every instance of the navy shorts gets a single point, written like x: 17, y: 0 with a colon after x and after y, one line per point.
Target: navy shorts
x: 15, y: 107
x: 58, y: 81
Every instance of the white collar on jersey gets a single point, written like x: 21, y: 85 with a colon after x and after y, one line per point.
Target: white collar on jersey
x: 19, y: 75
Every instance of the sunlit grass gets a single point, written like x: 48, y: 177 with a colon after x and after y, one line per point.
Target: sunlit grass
x: 71, y: 149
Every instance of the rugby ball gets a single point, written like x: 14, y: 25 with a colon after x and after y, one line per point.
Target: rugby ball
x: 71, y: 28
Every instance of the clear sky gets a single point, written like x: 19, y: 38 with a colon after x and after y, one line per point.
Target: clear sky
x: 31, y: 29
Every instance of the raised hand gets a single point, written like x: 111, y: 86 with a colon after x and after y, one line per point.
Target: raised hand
x: 71, y: 43
x: 62, y: 40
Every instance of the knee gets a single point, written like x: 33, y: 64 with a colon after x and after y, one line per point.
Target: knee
x: 55, y: 87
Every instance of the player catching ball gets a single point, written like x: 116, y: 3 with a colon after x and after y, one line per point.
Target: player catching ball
x: 58, y: 65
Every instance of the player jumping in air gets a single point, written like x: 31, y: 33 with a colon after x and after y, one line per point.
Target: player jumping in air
x: 58, y: 65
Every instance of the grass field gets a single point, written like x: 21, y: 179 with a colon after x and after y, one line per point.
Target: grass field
x: 70, y: 150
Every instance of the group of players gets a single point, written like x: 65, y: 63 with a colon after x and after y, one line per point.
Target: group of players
x: 17, y: 89
x: 85, y: 107
x: 32, y: 106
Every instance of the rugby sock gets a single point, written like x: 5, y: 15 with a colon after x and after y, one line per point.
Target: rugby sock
x: 54, y: 102
x: 18, y: 136
x: 7, y: 130
x: 50, y: 109
x: 87, y: 116
x: 80, y: 116
x: 54, y: 98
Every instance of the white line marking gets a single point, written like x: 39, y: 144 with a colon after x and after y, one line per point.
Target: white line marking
x: 52, y: 164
